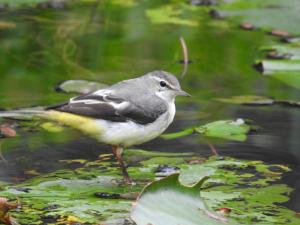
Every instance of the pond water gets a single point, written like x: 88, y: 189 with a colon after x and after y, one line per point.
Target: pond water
x: 111, y: 41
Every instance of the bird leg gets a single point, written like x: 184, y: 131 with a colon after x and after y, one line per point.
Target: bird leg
x: 117, y: 151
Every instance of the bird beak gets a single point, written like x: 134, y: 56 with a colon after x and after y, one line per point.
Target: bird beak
x: 183, y: 93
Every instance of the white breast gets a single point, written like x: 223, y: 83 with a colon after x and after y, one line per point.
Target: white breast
x: 130, y: 133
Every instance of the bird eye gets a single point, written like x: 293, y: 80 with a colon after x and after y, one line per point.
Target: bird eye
x: 163, y: 83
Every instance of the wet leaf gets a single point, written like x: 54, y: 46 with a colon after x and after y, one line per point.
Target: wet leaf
x: 285, y: 69
x: 270, y: 67
x: 79, y: 86
x: 171, y: 14
x: 258, y: 100
x: 226, y: 129
x: 174, y: 203
x: 289, y: 50
x: 247, y: 99
x: 292, y: 40
x: 5, y: 207
x: 234, y: 184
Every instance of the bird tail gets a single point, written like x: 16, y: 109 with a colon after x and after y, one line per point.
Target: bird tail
x: 84, y: 124
x: 27, y: 113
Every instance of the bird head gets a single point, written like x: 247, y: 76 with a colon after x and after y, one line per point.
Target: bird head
x: 165, y: 85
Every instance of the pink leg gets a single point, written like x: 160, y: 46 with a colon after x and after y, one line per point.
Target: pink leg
x: 117, y: 151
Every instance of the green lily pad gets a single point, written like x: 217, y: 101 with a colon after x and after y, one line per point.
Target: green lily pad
x: 226, y: 129
x: 172, y: 14
x: 291, y: 51
x: 266, y: 14
x: 247, y: 188
x: 270, y: 67
x: 247, y: 99
x: 79, y: 86
x: 257, y: 100
x: 68, y: 193
x: 167, y: 201
x: 284, y: 70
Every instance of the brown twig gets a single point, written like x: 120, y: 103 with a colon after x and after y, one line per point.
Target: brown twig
x: 213, y: 149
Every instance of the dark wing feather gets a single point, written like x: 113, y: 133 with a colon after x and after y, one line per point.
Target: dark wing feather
x: 104, y: 109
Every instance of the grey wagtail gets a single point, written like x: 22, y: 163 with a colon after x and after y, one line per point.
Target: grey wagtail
x: 127, y: 113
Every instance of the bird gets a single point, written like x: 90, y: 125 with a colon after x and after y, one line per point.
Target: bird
x: 124, y: 114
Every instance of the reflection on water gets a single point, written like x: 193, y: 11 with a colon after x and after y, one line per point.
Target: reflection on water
x: 109, y: 43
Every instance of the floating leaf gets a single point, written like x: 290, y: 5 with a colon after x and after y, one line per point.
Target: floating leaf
x: 271, y: 15
x: 285, y: 69
x: 289, y: 50
x: 269, y: 67
x: 226, y: 129
x: 167, y: 201
x: 257, y: 100
x: 245, y: 187
x: 170, y: 14
x: 247, y: 99
x: 79, y: 86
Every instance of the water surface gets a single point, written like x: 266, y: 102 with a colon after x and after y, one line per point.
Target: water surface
x: 108, y: 42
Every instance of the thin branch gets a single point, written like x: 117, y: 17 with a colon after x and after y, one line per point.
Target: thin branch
x: 213, y: 149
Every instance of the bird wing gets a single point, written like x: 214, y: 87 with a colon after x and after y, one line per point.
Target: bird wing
x: 105, y: 105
